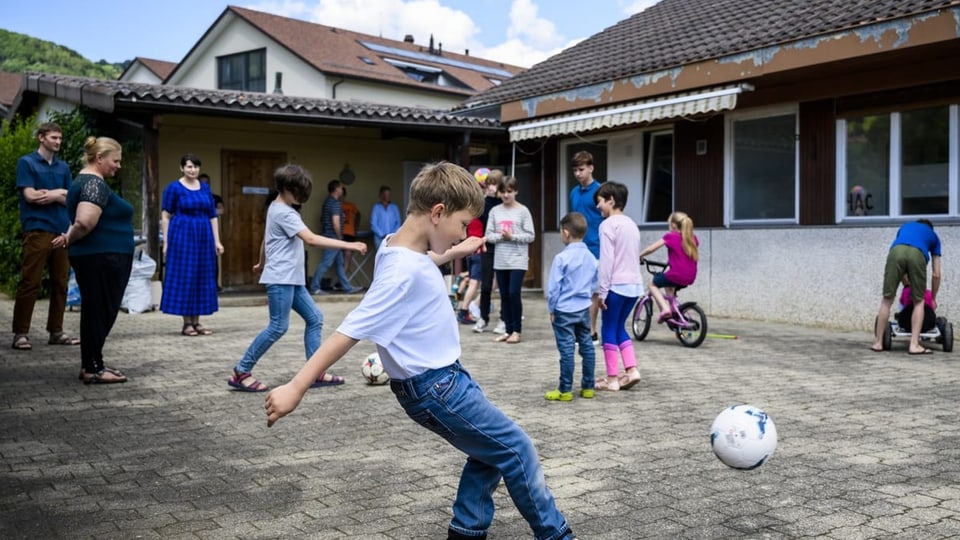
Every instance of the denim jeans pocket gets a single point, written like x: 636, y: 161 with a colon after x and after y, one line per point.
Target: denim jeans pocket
x: 427, y: 419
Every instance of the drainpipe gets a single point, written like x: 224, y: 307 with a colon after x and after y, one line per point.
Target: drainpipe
x: 333, y: 89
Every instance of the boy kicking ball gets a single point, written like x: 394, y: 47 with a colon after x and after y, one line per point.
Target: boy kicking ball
x: 420, y: 349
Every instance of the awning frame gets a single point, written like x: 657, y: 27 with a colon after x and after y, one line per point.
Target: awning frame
x: 518, y: 128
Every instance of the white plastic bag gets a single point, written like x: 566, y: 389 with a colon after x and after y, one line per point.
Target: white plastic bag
x: 138, y: 296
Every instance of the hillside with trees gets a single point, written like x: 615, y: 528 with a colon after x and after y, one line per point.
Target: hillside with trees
x: 20, y: 52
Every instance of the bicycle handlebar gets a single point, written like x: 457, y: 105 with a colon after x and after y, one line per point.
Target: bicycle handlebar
x: 655, y: 264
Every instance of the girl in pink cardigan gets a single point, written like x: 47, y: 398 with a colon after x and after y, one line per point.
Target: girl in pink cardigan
x: 620, y: 285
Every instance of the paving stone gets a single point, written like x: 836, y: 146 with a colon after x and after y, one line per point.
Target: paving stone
x: 869, y: 443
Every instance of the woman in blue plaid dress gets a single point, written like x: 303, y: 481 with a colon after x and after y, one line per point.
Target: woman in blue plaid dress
x: 191, y: 244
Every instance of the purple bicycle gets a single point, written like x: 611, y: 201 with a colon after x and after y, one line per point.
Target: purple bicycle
x: 686, y: 320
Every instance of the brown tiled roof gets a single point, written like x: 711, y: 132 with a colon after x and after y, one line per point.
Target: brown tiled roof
x: 674, y: 33
x: 9, y: 87
x: 110, y: 96
x: 160, y: 68
x: 340, y: 52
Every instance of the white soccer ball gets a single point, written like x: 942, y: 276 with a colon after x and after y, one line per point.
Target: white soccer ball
x: 743, y: 437
x: 372, y: 370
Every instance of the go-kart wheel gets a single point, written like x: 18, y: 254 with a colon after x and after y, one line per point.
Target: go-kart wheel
x: 887, y: 342
x: 947, y: 336
x: 941, y: 322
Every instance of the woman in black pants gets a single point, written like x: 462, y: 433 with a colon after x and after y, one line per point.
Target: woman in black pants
x: 100, y: 240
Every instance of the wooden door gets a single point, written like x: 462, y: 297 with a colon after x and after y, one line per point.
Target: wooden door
x: 247, y: 182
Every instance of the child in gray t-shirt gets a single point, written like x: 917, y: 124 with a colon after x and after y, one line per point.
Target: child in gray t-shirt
x: 281, y: 264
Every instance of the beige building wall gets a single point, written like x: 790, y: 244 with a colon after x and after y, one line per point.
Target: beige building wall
x: 322, y: 150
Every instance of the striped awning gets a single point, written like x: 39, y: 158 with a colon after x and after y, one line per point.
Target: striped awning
x: 637, y: 112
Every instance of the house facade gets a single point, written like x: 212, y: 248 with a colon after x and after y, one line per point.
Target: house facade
x: 798, y: 136
x: 254, y: 51
x: 147, y: 70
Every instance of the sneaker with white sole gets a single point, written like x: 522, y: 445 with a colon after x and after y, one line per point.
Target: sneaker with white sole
x: 501, y: 328
x: 480, y: 327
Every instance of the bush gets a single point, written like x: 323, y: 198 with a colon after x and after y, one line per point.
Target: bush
x: 18, y: 138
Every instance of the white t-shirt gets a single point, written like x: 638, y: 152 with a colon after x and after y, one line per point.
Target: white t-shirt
x: 282, y: 247
x: 407, y: 313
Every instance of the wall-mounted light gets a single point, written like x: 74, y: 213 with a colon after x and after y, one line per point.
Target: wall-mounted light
x: 346, y: 175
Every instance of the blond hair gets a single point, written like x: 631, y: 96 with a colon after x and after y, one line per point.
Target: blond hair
x: 447, y: 184
x: 684, y: 224
x: 97, y: 146
x: 493, y: 178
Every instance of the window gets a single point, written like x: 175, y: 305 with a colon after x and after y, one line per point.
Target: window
x: 426, y: 74
x: 245, y: 71
x: 658, y: 192
x: 898, y: 164
x: 762, y: 170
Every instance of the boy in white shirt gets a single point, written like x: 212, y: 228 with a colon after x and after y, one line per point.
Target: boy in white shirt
x: 406, y: 313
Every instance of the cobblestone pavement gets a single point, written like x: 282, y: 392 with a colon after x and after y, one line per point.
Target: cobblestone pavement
x: 869, y: 442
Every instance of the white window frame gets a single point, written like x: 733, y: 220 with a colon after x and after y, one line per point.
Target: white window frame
x: 728, y: 167
x: 895, y: 212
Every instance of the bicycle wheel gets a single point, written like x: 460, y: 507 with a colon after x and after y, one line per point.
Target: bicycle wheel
x: 695, y: 331
x: 642, y: 314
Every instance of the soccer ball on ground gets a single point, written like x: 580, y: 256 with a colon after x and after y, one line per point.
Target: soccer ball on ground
x: 743, y: 437
x: 372, y: 370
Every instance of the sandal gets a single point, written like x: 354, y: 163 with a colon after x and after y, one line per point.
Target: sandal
x: 21, y: 342
x: 245, y: 382
x: 608, y: 385
x: 113, y: 376
x: 323, y: 380
x: 628, y: 380
x: 63, y: 338
x: 201, y: 330
x: 189, y: 330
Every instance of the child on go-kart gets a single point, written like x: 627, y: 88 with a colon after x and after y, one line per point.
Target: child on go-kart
x: 906, y: 309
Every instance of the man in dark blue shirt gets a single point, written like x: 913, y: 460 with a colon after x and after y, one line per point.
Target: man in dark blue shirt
x: 914, y: 246
x: 42, y: 184
x: 332, y: 227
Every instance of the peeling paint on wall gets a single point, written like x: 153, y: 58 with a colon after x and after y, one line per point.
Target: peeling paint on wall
x: 593, y: 93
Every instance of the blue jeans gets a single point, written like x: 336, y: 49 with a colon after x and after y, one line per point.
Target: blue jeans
x: 570, y: 329
x: 281, y: 299
x: 331, y: 257
x: 449, y: 403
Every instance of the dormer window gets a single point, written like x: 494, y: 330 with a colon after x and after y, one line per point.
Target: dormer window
x: 425, y: 74
x: 246, y: 71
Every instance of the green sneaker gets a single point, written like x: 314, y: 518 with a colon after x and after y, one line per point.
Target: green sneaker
x: 557, y: 395
x: 587, y: 393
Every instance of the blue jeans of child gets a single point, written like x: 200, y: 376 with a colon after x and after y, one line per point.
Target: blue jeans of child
x: 510, y: 283
x: 330, y: 257
x: 280, y: 300
x: 449, y: 403
x: 571, y: 329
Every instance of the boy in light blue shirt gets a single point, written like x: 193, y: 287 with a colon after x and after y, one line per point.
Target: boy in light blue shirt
x: 571, y: 285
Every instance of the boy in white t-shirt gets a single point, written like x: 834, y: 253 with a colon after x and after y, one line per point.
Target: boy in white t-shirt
x: 406, y: 313
x: 281, y: 263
